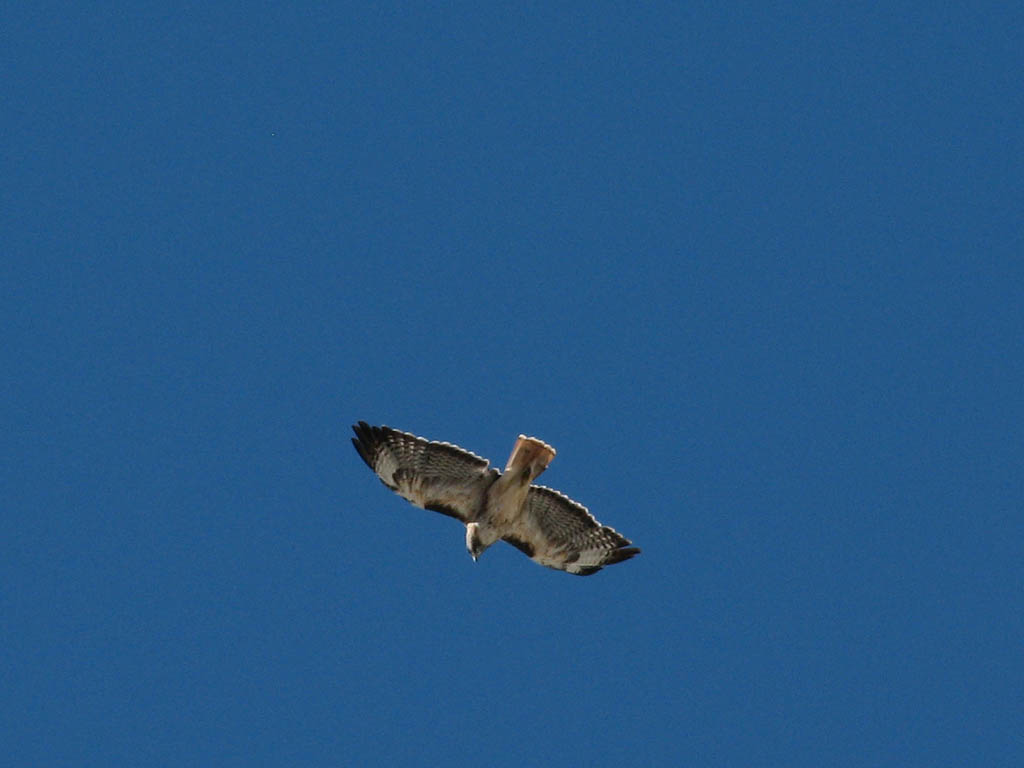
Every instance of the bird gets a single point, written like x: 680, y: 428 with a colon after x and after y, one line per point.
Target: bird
x: 542, y: 523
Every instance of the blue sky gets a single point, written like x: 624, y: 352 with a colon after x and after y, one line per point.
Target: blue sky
x: 754, y: 271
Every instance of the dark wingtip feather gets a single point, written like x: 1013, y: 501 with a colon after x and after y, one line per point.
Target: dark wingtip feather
x: 615, y: 556
x: 619, y: 555
x: 362, y: 452
x: 365, y: 441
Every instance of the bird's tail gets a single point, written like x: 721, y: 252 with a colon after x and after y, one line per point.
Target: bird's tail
x: 529, y: 455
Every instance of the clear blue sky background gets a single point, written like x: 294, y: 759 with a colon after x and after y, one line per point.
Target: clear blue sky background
x: 754, y: 270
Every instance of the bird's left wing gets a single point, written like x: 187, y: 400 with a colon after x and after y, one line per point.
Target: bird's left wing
x: 437, y: 476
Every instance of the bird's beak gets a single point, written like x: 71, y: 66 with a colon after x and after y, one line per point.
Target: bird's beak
x: 473, y: 556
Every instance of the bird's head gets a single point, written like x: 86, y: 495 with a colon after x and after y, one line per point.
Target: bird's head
x: 474, y: 543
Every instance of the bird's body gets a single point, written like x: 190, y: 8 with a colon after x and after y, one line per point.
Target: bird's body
x: 544, y: 524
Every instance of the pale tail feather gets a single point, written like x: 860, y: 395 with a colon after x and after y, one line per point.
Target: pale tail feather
x: 530, y: 452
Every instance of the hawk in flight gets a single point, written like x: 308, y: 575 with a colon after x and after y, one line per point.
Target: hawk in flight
x: 545, y: 525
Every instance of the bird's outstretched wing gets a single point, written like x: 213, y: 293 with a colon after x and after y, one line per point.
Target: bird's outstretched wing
x: 438, y: 476
x: 560, y: 533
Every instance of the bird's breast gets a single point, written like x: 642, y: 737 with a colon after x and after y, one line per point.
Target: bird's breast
x: 505, y: 500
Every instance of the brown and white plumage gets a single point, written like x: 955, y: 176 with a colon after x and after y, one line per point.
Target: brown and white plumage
x: 547, y: 526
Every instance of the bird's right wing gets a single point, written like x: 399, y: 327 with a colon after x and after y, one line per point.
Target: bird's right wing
x: 560, y: 533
